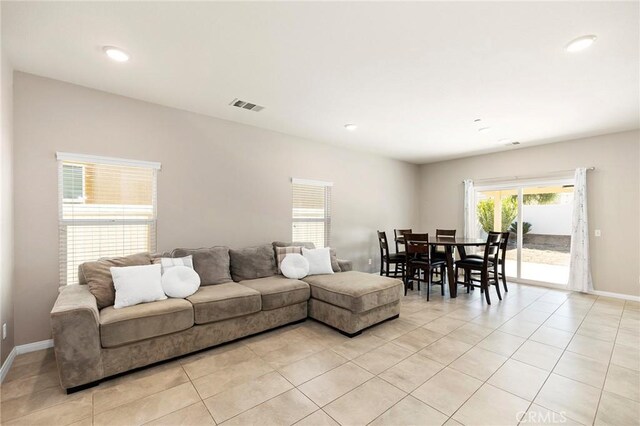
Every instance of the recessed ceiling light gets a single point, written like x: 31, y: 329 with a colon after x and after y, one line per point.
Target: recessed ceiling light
x: 116, y: 54
x: 350, y: 127
x: 484, y: 129
x: 580, y: 43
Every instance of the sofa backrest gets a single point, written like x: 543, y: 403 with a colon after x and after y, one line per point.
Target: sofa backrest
x: 212, y: 264
x: 253, y: 262
x: 97, y: 275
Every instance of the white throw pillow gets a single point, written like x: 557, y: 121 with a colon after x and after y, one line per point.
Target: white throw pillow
x: 319, y: 260
x: 180, y: 281
x: 169, y: 262
x: 137, y: 284
x: 294, y: 266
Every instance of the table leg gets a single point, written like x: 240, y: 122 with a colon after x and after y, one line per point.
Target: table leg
x: 453, y: 286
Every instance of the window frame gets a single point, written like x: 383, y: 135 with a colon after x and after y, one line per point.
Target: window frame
x: 325, y: 219
x: 63, y: 159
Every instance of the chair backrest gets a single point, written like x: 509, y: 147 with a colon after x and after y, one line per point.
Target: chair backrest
x: 446, y: 233
x: 443, y: 233
x: 417, y: 244
x: 384, y: 244
x: 492, y: 247
x: 503, y: 245
x: 400, y: 233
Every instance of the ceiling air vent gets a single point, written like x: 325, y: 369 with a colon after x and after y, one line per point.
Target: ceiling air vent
x: 246, y: 105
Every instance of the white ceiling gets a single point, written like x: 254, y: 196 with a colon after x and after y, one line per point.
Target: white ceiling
x: 413, y: 76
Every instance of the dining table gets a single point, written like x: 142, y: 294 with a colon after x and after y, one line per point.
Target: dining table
x: 449, y: 243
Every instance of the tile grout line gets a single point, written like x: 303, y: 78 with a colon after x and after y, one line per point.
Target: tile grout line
x: 447, y: 365
x: 595, y: 415
x: 510, y: 357
x: 486, y: 381
x: 556, y: 363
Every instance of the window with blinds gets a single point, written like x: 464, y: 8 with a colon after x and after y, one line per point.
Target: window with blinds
x: 311, y: 212
x: 107, y: 209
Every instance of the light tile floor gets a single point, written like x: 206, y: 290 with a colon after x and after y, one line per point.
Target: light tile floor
x: 539, y: 356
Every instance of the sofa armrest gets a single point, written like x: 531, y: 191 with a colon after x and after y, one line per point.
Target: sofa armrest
x: 75, y: 328
x: 345, y: 265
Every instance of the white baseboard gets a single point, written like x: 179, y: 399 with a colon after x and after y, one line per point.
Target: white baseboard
x: 35, y: 346
x: 615, y: 295
x: 23, y: 349
x: 7, y: 364
x: 564, y: 287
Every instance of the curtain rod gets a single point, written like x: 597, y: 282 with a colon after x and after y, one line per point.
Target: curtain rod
x: 557, y: 172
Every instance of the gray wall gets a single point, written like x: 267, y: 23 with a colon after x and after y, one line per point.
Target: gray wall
x: 221, y: 182
x: 613, y: 196
x: 6, y: 206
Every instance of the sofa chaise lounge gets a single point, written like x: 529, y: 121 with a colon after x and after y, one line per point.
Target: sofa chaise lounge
x: 241, y: 294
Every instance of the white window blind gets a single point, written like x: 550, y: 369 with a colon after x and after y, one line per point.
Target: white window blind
x: 107, y: 207
x: 311, y: 213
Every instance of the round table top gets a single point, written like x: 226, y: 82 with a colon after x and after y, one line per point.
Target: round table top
x: 452, y: 241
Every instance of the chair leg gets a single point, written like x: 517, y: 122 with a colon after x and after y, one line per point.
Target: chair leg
x: 427, y: 276
x: 496, y: 277
x: 504, y: 278
x: 405, y: 278
x: 484, y: 281
x: 467, y: 279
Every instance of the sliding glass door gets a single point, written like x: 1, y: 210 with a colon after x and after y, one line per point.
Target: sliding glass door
x: 537, y: 214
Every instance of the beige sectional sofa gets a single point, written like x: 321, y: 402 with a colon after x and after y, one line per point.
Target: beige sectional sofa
x: 241, y: 294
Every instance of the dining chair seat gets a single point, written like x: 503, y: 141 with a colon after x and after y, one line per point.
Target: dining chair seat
x: 439, y: 255
x: 397, y: 256
x: 426, y: 262
x: 477, y: 256
x: 472, y: 261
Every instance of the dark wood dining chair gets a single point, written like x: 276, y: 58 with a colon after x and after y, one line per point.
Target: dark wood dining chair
x: 387, y: 259
x: 499, y: 269
x: 439, y: 254
x: 419, y: 261
x: 399, y: 233
x: 485, y: 266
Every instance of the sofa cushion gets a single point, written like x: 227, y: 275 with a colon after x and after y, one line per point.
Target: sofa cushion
x: 97, y: 275
x: 335, y: 265
x: 224, y: 301
x: 212, y: 264
x: 253, y: 262
x: 282, y: 252
x: 355, y: 291
x: 144, y: 321
x: 278, y: 291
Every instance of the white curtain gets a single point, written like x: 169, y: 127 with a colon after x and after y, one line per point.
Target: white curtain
x: 579, y: 266
x: 469, y: 209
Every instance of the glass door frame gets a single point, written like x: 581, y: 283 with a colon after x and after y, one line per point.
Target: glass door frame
x: 519, y: 185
